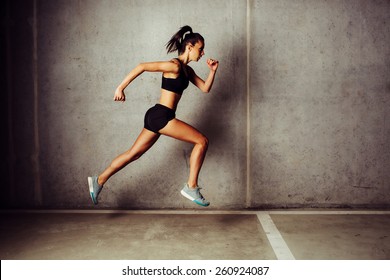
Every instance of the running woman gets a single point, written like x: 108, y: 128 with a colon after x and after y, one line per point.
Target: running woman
x: 161, y: 119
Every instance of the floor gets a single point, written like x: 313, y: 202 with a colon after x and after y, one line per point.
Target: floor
x: 194, y: 235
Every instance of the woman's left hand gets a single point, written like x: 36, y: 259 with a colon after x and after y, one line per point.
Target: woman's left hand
x: 212, y: 64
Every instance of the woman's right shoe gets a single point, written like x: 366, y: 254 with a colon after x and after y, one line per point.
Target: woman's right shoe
x: 194, y: 195
x: 94, y: 188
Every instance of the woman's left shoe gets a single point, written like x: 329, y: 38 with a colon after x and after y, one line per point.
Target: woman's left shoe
x: 94, y: 188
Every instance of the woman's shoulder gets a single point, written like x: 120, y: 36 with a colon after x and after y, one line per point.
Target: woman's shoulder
x: 161, y: 66
x: 176, y: 64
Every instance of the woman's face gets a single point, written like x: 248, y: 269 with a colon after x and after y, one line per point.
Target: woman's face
x: 197, y: 51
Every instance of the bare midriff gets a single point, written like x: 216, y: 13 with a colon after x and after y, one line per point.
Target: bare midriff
x: 169, y: 99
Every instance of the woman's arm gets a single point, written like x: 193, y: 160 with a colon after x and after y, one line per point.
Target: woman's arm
x: 165, y: 66
x: 205, y: 86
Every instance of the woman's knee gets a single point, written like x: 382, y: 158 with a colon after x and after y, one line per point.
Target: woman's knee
x: 126, y: 158
x: 203, y: 141
x: 134, y: 156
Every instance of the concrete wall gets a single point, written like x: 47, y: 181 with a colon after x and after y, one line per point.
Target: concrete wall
x: 297, y: 117
x: 320, y: 96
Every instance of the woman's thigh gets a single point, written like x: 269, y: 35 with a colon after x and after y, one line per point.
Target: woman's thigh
x: 144, y: 142
x: 183, y: 131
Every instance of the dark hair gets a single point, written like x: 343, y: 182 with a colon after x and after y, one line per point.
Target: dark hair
x: 179, y: 41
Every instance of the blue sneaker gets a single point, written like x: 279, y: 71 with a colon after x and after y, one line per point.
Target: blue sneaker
x: 194, y: 195
x: 94, y: 188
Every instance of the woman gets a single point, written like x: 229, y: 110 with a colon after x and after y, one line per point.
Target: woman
x: 161, y: 119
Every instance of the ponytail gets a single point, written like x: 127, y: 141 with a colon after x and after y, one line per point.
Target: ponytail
x: 178, y: 41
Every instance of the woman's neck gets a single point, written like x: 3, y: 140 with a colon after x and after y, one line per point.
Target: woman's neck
x: 184, y: 58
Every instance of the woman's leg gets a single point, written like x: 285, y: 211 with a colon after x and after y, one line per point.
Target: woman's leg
x: 183, y: 131
x: 144, y: 142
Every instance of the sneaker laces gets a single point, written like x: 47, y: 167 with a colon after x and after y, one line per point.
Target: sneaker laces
x: 200, y: 195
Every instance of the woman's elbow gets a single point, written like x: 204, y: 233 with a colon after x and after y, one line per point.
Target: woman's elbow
x: 141, y: 67
x: 206, y: 90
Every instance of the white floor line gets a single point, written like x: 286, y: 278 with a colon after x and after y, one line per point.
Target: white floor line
x: 276, y: 240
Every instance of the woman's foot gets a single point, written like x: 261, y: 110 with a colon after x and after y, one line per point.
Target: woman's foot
x: 194, y: 195
x: 94, y: 188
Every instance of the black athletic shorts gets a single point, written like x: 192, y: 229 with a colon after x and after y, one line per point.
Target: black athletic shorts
x: 157, y: 117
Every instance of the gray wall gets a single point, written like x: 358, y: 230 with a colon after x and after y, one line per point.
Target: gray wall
x: 296, y: 118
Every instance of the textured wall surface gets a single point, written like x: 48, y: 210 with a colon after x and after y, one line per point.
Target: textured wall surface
x: 296, y: 118
x: 320, y: 92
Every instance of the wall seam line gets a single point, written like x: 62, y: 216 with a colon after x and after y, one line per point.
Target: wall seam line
x: 11, y: 147
x: 35, y: 157
x: 248, y: 123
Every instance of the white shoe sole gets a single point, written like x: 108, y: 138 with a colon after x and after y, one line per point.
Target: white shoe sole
x: 91, y: 193
x: 186, y: 195
x: 90, y: 184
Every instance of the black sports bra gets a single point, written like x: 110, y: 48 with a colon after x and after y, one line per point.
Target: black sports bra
x: 176, y: 85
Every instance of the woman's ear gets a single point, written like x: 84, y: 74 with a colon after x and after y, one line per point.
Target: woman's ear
x: 189, y: 47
